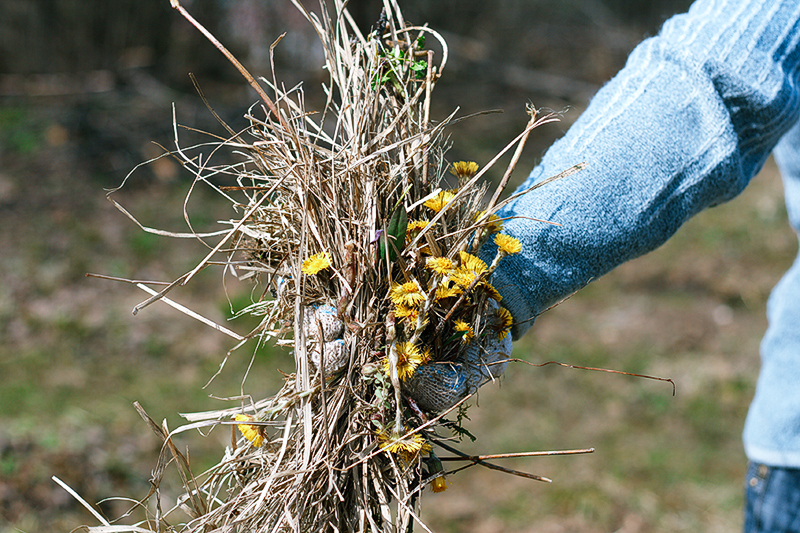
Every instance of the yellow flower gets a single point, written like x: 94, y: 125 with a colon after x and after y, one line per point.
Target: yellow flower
x: 464, y: 169
x: 409, y: 357
x: 490, y: 291
x: 443, y: 292
x: 316, y: 263
x: 438, y: 202
x: 439, y: 484
x: 409, y: 314
x: 504, y: 322
x: 440, y: 265
x: 470, y: 262
x: 413, y: 229
x: 507, y: 244
x: 407, y: 293
x: 415, y: 226
x: 460, y: 325
x: 463, y: 277
x: 492, y: 224
x: 406, y: 311
x: 408, y: 448
x: 435, y: 467
x: 426, y: 354
x: 255, y: 434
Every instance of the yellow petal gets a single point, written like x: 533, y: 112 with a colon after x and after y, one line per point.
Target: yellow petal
x: 316, y: 263
x: 470, y: 262
x: 409, y: 357
x: 460, y: 325
x: 252, y: 433
x: 507, y: 244
x: 408, y: 448
x: 438, y: 202
x: 464, y: 169
x: 407, y: 293
x: 440, y: 265
x: 439, y: 484
x: 505, y: 321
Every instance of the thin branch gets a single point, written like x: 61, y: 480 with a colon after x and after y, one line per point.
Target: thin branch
x: 490, y: 466
x: 476, y: 458
x: 577, y: 367
x: 243, y: 71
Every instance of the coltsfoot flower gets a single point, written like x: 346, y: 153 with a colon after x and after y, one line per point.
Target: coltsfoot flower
x: 439, y: 484
x: 255, y: 434
x: 461, y: 326
x: 504, y: 322
x: 447, y: 291
x: 438, y: 202
x: 415, y: 226
x: 406, y: 311
x: 441, y: 265
x: 464, y: 169
x: 409, y: 357
x: 316, y: 263
x: 407, y: 293
x: 490, y: 291
x: 493, y: 223
x: 470, y: 262
x: 408, y: 448
x: 463, y: 277
x: 507, y: 244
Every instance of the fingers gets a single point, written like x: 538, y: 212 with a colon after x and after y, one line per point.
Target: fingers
x: 326, y: 316
x: 332, y: 352
x: 439, y: 386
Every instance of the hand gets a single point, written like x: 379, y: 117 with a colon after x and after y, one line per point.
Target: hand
x: 334, y: 351
x: 434, y: 386
x: 439, y: 386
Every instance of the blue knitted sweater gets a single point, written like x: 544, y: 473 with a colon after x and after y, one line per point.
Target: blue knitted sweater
x: 685, y: 125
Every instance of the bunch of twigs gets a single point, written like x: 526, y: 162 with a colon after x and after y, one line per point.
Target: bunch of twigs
x: 346, y: 216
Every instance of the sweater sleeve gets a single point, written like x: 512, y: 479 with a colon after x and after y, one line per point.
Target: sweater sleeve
x: 685, y: 125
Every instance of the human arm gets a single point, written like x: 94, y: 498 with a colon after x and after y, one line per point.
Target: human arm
x: 685, y: 125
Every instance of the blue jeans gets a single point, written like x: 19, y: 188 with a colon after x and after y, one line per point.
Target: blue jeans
x: 772, y: 499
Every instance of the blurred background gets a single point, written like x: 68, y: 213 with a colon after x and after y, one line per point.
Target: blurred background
x: 87, y: 89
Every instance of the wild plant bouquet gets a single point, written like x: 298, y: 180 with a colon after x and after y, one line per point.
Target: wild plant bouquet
x: 364, y: 245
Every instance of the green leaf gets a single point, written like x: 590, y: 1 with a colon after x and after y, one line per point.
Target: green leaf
x: 458, y: 335
x: 395, y: 236
x: 458, y: 430
x: 419, y: 68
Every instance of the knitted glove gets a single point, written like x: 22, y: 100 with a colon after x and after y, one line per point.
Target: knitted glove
x: 438, y: 386
x: 434, y: 386
x: 333, y: 350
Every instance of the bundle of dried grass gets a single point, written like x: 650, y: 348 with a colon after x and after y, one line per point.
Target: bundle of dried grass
x: 371, y: 261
